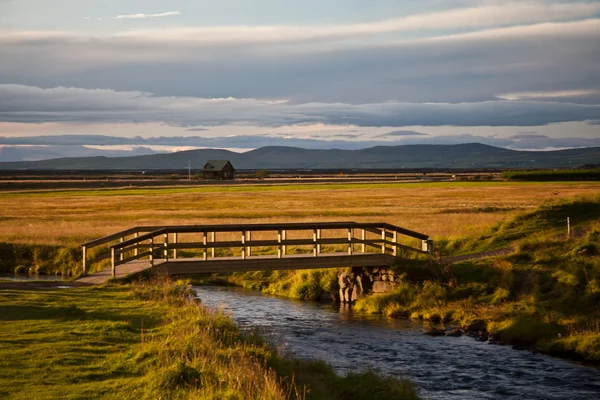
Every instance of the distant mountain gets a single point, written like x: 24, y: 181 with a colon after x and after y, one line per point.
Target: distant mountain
x: 46, y: 152
x: 472, y: 155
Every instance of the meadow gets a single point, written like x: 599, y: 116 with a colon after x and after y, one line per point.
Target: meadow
x: 42, y: 230
x: 153, y: 340
x: 442, y: 210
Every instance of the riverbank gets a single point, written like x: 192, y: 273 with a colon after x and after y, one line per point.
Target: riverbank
x: 153, y: 340
x: 542, y: 294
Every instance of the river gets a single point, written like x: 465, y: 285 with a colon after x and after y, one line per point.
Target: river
x: 441, y: 367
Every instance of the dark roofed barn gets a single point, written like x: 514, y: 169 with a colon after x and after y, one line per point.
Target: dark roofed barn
x: 218, y: 170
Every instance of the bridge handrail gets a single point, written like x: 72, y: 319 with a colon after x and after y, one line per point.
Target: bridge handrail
x: 118, y: 250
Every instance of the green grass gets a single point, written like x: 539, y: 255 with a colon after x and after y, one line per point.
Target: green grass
x: 149, y: 340
x: 550, y: 219
x: 145, y: 191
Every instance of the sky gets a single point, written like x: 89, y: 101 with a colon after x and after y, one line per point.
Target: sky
x: 311, y: 73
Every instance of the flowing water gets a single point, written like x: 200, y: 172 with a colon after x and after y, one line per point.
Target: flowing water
x: 441, y: 367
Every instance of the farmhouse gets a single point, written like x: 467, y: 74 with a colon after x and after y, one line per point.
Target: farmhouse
x: 218, y: 169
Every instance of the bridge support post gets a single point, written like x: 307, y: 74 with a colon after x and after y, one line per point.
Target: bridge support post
x: 383, y: 239
x: 363, y: 237
x: 136, y: 250
x: 175, y: 242
x: 113, y: 262
x: 243, y: 245
x: 84, y: 260
x: 205, y: 254
x: 395, y: 239
x: 166, y: 246
x: 350, y: 234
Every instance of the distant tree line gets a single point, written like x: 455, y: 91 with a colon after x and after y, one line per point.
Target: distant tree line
x: 553, y: 175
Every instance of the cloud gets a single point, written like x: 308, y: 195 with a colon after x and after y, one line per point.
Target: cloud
x: 144, y: 16
x: 33, y: 153
x: 196, y: 129
x: 548, y: 95
x: 459, y: 68
x: 19, y: 103
x: 486, y: 15
x: 402, y: 133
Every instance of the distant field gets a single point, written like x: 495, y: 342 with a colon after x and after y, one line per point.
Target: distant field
x: 445, y: 209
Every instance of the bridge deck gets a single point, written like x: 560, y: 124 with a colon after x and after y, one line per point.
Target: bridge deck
x: 182, y: 266
x: 130, y: 268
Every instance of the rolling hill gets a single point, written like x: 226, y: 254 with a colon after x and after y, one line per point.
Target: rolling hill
x: 472, y: 155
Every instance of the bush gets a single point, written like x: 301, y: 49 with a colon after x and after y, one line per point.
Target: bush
x: 262, y: 174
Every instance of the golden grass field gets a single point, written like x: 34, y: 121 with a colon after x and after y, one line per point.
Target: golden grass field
x: 442, y: 210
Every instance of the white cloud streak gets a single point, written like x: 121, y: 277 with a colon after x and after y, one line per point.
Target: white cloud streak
x: 548, y: 95
x: 487, y: 15
x: 144, y: 16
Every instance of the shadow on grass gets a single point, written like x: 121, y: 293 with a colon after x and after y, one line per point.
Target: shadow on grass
x: 71, y: 313
x: 18, y: 313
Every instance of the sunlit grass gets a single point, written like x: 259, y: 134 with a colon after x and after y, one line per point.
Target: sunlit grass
x: 439, y: 209
x: 151, y: 340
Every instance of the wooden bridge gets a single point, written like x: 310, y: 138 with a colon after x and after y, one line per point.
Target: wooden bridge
x: 193, y: 249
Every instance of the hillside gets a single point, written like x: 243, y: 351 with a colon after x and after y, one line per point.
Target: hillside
x: 472, y: 155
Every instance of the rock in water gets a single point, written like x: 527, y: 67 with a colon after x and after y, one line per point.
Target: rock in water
x: 431, y: 331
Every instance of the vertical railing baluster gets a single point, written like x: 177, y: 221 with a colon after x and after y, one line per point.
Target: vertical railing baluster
x: 363, y: 237
x: 214, y: 239
x: 152, y: 251
x: 204, y: 242
x: 249, y: 247
x: 175, y: 243
x: 113, y: 262
x: 284, y: 237
x: 350, y: 234
x: 243, y: 244
x: 166, y: 246
x: 84, y: 261
x: 279, y: 249
x: 121, y: 255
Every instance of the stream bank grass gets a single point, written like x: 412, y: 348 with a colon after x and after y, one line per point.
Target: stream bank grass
x: 150, y: 340
x: 545, y: 294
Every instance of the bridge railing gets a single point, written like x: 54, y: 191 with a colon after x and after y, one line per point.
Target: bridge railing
x: 164, y: 243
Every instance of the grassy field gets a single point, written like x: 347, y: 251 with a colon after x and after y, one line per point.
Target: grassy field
x: 151, y: 341
x: 35, y: 225
x: 442, y: 210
